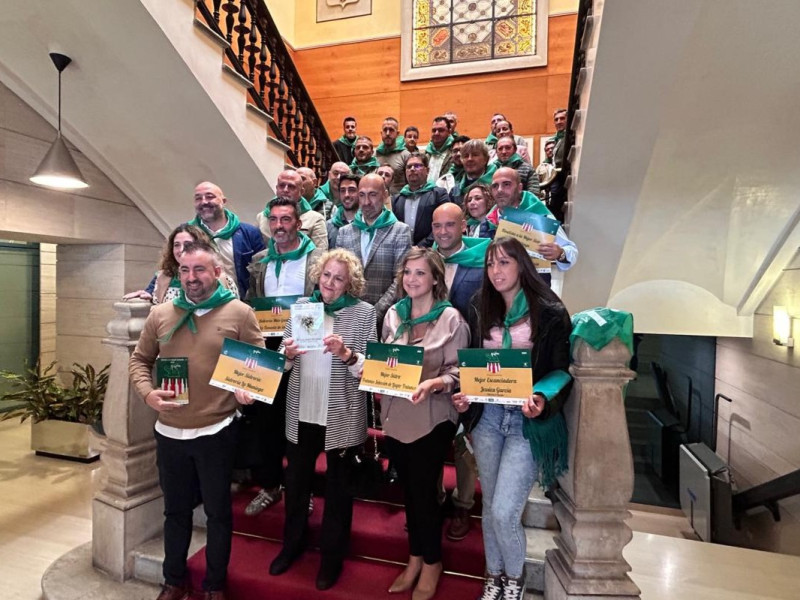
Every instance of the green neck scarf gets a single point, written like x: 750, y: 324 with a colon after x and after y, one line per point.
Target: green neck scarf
x: 491, y: 139
x: 519, y: 308
x: 528, y: 202
x: 514, y: 161
x: 559, y: 135
x: 326, y: 190
x: 341, y: 302
x: 175, y: 282
x: 348, y: 143
x: 221, y: 295
x: 399, y: 146
x: 485, y: 179
x: 318, y: 199
x: 306, y: 247
x: 364, y: 168
x: 407, y: 191
x: 403, y: 309
x: 473, y: 222
x: 385, y: 219
x: 473, y: 254
x: 431, y: 150
x: 339, y: 219
x: 457, y: 172
x: 223, y: 234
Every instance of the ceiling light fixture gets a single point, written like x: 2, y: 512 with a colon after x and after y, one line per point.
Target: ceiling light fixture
x: 58, y: 169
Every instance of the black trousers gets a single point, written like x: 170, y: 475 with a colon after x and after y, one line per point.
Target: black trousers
x: 262, y: 444
x: 419, y: 465
x: 338, y: 515
x: 188, y: 469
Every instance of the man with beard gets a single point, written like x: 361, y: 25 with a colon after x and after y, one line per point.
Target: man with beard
x: 448, y: 180
x: 392, y: 152
x: 507, y: 192
x: 415, y: 203
x: 331, y: 187
x: 504, y: 129
x: 346, y: 211
x: 195, y: 442
x: 312, y: 223
x: 364, y: 162
x: 379, y: 241
x: 438, y: 149
x: 345, y: 144
x: 280, y: 270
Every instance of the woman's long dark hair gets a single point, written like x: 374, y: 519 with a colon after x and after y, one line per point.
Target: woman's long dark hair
x: 168, y: 263
x: 493, y: 307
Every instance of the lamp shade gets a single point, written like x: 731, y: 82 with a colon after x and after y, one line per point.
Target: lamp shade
x: 58, y: 169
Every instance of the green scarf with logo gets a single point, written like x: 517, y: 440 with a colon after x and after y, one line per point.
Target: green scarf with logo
x: 221, y: 295
x: 318, y: 199
x: 338, y: 218
x: 341, y: 302
x: 399, y: 146
x: 407, y: 191
x: 431, y: 150
x: 485, y: 179
x: 403, y: 309
x: 514, y: 161
x: 306, y: 247
x: 223, y: 234
x: 385, y: 219
x: 364, y: 168
x: 473, y: 255
x: 519, y: 308
x: 348, y: 143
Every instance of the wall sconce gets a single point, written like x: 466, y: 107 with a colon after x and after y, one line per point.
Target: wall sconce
x: 782, y: 327
x: 58, y: 169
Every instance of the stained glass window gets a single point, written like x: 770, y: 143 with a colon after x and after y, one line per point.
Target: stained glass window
x: 459, y: 31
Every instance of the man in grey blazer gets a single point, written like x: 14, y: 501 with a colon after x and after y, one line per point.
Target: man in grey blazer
x: 379, y: 240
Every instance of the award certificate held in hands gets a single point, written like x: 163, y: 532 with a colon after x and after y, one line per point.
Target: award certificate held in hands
x: 272, y: 313
x: 308, y: 325
x: 393, y: 369
x: 253, y: 369
x: 531, y: 230
x: 495, y: 376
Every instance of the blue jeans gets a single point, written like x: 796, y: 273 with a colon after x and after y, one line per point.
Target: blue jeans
x: 507, y: 472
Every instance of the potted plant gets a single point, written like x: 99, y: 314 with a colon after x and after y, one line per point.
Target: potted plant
x: 60, y: 416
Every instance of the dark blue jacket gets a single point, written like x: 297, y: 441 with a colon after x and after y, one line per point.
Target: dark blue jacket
x: 247, y: 241
x: 467, y: 281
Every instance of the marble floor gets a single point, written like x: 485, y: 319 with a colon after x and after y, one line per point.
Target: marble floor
x: 45, y: 510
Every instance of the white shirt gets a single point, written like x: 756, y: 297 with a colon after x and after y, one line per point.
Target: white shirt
x: 451, y: 268
x: 292, y: 281
x: 410, y: 211
x: 435, y: 162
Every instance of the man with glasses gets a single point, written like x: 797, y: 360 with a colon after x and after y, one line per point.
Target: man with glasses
x: 415, y: 203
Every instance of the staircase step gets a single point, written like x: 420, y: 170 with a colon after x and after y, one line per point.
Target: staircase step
x: 148, y: 559
x: 248, y: 577
x: 378, y: 532
x: 539, y: 511
x: 538, y: 542
x: 646, y: 402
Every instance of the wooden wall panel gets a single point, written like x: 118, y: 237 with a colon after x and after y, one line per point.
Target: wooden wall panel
x: 363, y: 79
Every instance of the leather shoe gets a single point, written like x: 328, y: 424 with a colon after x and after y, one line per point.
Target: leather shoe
x: 459, y: 525
x: 328, y: 575
x: 282, y: 562
x: 215, y: 595
x: 173, y: 592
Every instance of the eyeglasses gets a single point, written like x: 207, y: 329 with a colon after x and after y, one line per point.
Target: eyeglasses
x: 415, y: 167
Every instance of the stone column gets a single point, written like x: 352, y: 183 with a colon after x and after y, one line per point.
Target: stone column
x: 128, y: 507
x: 591, y: 504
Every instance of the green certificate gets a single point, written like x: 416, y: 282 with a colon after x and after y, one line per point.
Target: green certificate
x: 172, y: 374
x: 272, y: 313
x: 495, y: 376
x: 252, y: 369
x: 531, y: 230
x: 392, y: 369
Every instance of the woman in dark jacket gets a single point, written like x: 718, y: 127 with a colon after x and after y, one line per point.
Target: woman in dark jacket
x: 517, y: 445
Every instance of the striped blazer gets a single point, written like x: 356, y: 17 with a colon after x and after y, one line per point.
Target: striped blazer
x: 347, y: 406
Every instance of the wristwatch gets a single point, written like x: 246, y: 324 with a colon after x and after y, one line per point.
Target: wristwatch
x: 562, y: 258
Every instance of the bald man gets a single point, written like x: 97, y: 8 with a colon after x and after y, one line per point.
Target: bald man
x: 331, y: 187
x: 313, y: 195
x: 312, y: 223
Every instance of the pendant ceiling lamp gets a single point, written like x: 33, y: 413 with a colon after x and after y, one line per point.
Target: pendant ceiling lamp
x: 58, y: 169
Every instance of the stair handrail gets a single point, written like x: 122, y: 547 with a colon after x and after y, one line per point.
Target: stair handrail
x: 767, y: 495
x: 256, y: 51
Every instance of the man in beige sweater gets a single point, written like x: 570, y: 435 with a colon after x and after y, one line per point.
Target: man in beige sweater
x: 195, y: 442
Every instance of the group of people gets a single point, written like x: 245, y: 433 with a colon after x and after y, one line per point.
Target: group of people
x: 419, y: 267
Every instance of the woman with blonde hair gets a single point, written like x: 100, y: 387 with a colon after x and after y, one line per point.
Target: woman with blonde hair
x: 419, y: 432
x: 326, y: 412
